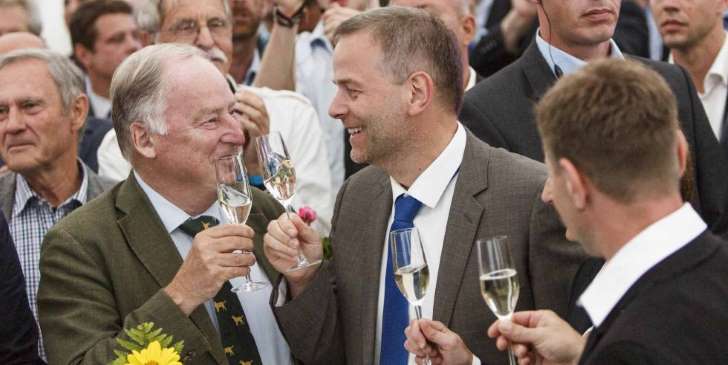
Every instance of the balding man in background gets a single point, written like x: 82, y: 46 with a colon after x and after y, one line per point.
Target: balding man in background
x: 19, y: 40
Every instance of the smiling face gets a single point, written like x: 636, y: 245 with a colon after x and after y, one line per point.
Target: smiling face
x: 35, y: 129
x: 368, y: 102
x: 578, y: 23
x: 685, y: 23
x: 200, y: 126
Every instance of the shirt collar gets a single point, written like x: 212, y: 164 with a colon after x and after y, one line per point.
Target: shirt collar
x: 431, y: 184
x: 308, y: 41
x: 472, y: 79
x: 24, y: 194
x: 568, y: 63
x: 101, y: 105
x: 719, y: 68
x: 253, y: 69
x: 644, y: 251
x: 171, y: 215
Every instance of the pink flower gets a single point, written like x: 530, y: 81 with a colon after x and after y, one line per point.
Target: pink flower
x: 307, y: 214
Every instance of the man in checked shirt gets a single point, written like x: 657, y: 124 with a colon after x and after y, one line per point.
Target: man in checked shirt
x: 42, y: 114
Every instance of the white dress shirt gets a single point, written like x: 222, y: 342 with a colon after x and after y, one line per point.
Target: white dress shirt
x: 101, y: 106
x: 566, y: 62
x: 290, y: 114
x: 715, y: 90
x: 314, y: 79
x: 472, y: 79
x: 644, y: 251
x: 271, y: 344
x: 434, y: 188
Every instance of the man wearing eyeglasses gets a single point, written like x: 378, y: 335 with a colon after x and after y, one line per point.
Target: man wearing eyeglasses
x: 207, y: 24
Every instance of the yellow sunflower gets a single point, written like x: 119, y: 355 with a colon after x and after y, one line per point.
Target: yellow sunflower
x: 154, y: 355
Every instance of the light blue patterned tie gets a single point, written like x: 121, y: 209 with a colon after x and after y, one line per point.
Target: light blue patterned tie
x: 395, y: 316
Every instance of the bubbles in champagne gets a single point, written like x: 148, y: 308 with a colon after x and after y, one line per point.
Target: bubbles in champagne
x: 280, y: 178
x: 412, y: 281
x: 235, y: 204
x: 500, y: 291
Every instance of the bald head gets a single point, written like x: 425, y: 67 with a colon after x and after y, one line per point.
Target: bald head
x: 12, y: 41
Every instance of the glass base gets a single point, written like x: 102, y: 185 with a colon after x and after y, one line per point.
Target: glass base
x: 250, y: 286
x: 302, y: 264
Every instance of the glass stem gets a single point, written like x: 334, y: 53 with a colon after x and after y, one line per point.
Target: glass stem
x: 418, y: 314
x: 302, y: 260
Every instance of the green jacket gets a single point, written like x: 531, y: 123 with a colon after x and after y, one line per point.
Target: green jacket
x: 103, y: 268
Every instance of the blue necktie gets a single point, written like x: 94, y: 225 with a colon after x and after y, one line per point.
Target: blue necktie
x: 725, y: 21
x: 395, y: 316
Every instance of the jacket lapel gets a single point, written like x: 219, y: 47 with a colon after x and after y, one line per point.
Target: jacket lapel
x: 462, y: 226
x: 686, y: 258
x: 154, y: 248
x: 7, y: 194
x: 370, y: 249
x: 259, y: 223
x: 537, y: 72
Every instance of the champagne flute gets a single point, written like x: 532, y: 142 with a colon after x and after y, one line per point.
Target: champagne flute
x: 409, y: 266
x: 498, y: 279
x: 233, y: 193
x: 279, y: 178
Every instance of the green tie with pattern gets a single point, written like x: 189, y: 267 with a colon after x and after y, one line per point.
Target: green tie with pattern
x: 237, y: 340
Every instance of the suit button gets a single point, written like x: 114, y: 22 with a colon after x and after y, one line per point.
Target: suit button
x: 189, y: 355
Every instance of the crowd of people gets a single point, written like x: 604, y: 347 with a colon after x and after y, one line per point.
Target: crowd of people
x: 592, y: 133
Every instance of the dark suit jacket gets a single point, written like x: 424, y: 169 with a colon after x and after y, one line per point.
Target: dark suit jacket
x: 18, y: 334
x: 334, y: 320
x: 489, y: 55
x: 93, y: 134
x: 103, y: 268
x: 499, y: 110
x: 674, y: 314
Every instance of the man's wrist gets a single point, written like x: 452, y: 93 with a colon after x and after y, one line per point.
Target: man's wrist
x: 184, y: 304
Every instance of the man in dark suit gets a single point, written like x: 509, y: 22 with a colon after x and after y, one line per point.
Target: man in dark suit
x: 141, y: 253
x: 658, y: 299
x: 499, y: 109
x: 398, y: 74
x: 511, y: 25
x: 18, y: 334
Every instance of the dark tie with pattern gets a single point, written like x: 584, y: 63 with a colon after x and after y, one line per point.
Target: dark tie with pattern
x: 395, y: 315
x: 237, y: 340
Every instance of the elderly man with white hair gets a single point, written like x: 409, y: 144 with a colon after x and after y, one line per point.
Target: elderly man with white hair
x: 207, y: 24
x: 157, y: 248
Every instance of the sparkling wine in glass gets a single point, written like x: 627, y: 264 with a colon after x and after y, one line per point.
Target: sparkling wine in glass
x: 233, y: 193
x: 498, y: 279
x: 279, y: 178
x: 409, y: 265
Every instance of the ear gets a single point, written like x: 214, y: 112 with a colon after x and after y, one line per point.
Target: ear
x: 682, y: 151
x: 78, y: 112
x: 142, y: 140
x: 468, y: 26
x: 420, y: 92
x: 83, y: 55
x: 576, y: 183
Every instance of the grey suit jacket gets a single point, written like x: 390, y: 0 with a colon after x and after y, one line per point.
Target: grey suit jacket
x: 334, y: 320
x: 499, y: 111
x: 96, y: 186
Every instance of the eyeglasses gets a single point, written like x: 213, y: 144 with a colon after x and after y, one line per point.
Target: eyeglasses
x: 189, y: 30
